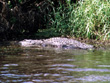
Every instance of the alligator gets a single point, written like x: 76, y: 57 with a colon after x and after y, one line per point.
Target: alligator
x: 56, y: 42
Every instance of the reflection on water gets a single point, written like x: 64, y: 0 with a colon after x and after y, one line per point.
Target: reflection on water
x: 31, y: 65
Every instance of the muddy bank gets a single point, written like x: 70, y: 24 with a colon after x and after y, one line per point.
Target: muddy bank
x: 98, y: 44
x: 61, y: 42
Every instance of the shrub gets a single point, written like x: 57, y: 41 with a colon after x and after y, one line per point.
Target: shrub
x: 91, y: 19
x: 87, y: 19
x: 62, y: 21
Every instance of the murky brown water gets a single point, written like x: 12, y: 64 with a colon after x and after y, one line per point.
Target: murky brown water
x: 31, y: 65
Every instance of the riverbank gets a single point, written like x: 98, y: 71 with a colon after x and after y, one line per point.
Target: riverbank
x: 98, y: 44
x: 61, y: 42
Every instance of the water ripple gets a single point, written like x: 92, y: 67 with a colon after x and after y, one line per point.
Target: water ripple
x: 103, y: 65
x: 15, y: 75
x: 62, y: 65
x: 93, y: 78
x: 10, y: 65
x: 88, y: 69
x: 81, y: 69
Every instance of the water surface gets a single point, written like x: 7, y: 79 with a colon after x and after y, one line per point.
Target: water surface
x: 32, y: 65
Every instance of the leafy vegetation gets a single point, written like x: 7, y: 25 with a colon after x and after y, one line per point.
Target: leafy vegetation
x: 22, y: 18
x: 35, y: 18
x: 86, y: 19
x: 91, y: 19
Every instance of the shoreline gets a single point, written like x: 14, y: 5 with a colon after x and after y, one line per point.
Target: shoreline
x: 98, y: 44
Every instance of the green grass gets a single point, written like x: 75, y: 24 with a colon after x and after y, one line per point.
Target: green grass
x: 92, y: 19
x: 86, y: 19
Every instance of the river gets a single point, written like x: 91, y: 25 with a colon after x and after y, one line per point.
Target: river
x: 33, y: 65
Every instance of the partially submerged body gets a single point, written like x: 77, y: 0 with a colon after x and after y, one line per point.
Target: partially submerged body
x: 56, y: 42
